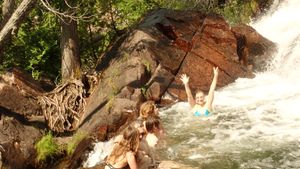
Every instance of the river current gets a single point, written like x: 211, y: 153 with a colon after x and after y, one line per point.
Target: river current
x: 256, y: 122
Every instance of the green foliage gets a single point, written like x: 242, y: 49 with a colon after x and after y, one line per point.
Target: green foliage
x: 46, y: 147
x: 174, y: 4
x: 203, y: 5
x: 98, y: 33
x: 92, y: 45
x: 238, y: 11
x: 71, y: 146
x: 130, y: 11
x: 36, y: 46
x: 235, y: 11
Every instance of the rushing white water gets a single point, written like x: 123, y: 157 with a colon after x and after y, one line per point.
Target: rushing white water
x: 257, y: 121
x: 97, y: 156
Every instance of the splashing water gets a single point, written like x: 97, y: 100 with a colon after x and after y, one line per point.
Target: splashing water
x: 97, y: 156
x: 256, y: 122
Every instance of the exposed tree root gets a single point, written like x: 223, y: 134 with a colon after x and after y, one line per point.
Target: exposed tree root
x: 63, y: 107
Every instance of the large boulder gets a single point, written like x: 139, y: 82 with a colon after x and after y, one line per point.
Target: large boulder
x: 17, y: 140
x: 149, y: 60
x: 18, y: 129
x: 108, y: 105
x: 18, y: 93
x: 214, y: 45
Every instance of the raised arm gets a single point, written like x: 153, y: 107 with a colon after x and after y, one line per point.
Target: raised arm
x: 210, y: 96
x: 185, y: 80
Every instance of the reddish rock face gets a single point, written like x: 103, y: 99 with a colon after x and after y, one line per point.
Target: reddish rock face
x: 166, y: 44
x: 207, y: 41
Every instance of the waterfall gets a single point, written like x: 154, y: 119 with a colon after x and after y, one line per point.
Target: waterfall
x: 256, y: 122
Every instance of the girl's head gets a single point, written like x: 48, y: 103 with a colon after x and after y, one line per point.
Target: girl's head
x: 200, y: 97
x: 148, y: 109
x: 131, y: 137
x: 152, y: 124
x: 129, y: 143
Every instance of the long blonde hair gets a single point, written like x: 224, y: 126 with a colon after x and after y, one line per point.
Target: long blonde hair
x: 147, y: 109
x: 129, y: 142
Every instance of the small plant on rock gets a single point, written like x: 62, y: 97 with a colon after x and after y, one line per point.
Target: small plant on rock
x: 46, y: 147
x: 76, y: 139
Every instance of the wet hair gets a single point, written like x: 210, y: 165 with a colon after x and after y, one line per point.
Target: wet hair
x: 129, y: 142
x: 199, y: 91
x: 147, y: 109
x: 151, y: 123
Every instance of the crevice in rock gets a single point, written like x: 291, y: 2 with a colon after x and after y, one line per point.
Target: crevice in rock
x: 167, y: 30
x: 200, y: 29
x: 22, y: 119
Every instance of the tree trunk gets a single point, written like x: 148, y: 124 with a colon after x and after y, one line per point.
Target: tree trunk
x: 70, y: 63
x: 13, y: 23
x: 8, y: 7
